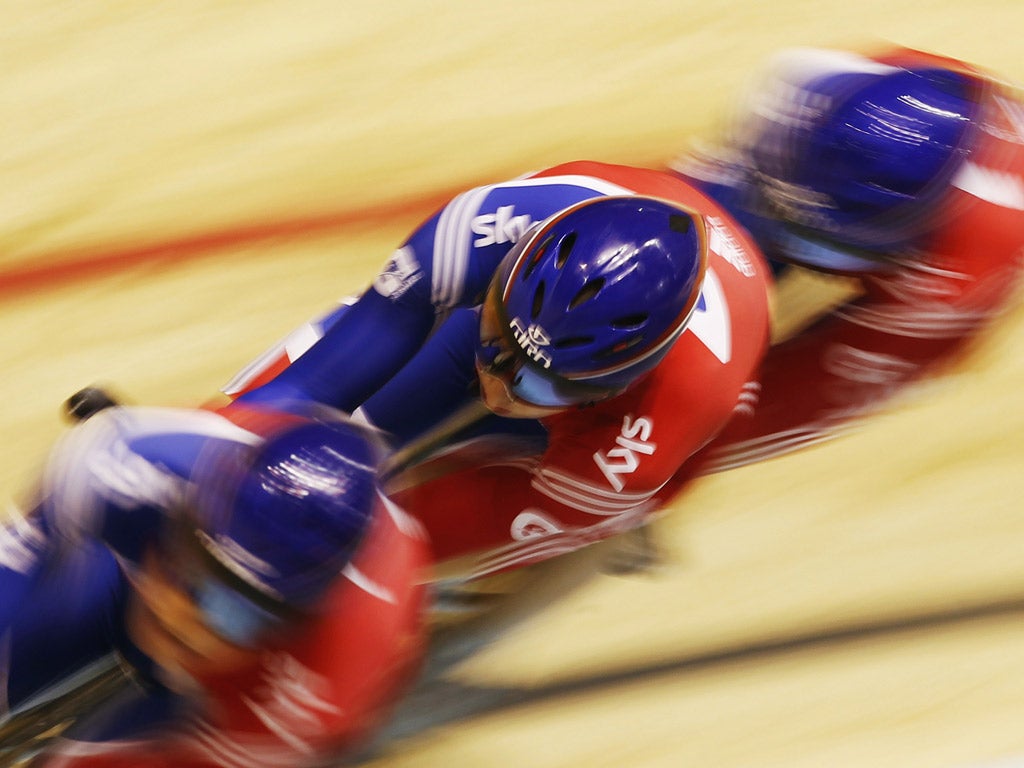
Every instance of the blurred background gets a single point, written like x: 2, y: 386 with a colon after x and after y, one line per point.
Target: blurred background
x: 184, y: 183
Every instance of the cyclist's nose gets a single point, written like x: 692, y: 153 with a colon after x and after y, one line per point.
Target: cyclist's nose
x: 494, y: 393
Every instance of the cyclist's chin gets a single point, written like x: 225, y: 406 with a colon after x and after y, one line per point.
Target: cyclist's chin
x: 185, y: 651
x: 498, y: 400
x: 499, y: 409
x: 165, y: 625
x: 517, y: 410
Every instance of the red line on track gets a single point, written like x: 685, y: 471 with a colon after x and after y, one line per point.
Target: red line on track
x: 48, y: 270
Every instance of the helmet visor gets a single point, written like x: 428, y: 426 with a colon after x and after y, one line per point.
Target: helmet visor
x: 228, y: 605
x: 501, y: 356
x: 230, y: 614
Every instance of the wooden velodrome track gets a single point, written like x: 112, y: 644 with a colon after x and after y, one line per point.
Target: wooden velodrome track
x: 184, y: 183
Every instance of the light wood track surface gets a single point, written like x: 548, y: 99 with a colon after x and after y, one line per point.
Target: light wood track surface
x: 857, y: 604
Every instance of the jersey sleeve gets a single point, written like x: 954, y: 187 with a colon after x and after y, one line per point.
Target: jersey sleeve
x: 95, y: 486
x: 821, y: 382
x: 327, y: 690
x: 439, y: 378
x: 598, y: 476
x: 912, y: 320
x: 725, y: 174
x: 495, y: 516
x: 319, y: 696
x: 603, y: 467
x: 114, y: 477
x: 447, y: 263
x: 26, y: 548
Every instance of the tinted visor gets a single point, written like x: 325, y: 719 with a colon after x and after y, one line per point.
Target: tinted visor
x: 500, y: 355
x: 230, y: 614
x: 230, y: 606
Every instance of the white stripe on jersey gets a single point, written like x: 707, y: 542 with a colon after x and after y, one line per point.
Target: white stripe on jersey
x: 21, y: 541
x: 93, y: 464
x: 274, y: 725
x: 584, y: 496
x: 66, y: 751
x: 359, y: 416
x: 548, y: 547
x: 405, y: 522
x: 139, y: 421
x: 934, y: 322
x: 453, y: 237
x: 451, y: 246
x: 368, y: 585
x: 222, y: 752
x: 769, y: 446
x: 544, y: 547
x: 241, y: 380
x: 291, y: 348
x: 581, y: 502
x: 596, y: 490
x: 569, y: 180
x: 1001, y: 188
x: 229, y: 752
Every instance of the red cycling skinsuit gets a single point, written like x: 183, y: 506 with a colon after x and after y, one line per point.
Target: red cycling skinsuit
x: 915, y: 314
x: 322, y: 691
x: 602, y: 465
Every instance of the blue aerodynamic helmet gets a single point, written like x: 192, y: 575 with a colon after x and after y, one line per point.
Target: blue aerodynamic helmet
x: 275, y: 525
x: 858, y: 157
x: 595, y: 296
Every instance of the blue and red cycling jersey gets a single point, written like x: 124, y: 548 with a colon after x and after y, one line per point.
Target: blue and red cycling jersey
x: 515, y: 491
x: 109, y: 489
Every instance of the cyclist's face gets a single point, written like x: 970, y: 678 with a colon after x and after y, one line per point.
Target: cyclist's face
x: 494, y: 387
x: 168, y: 626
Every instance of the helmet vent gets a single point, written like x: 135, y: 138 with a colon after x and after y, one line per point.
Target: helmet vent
x: 679, y: 224
x: 619, y: 346
x: 538, y: 301
x: 587, y: 292
x: 564, y: 249
x: 573, y: 341
x: 536, y: 256
x: 628, y: 322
